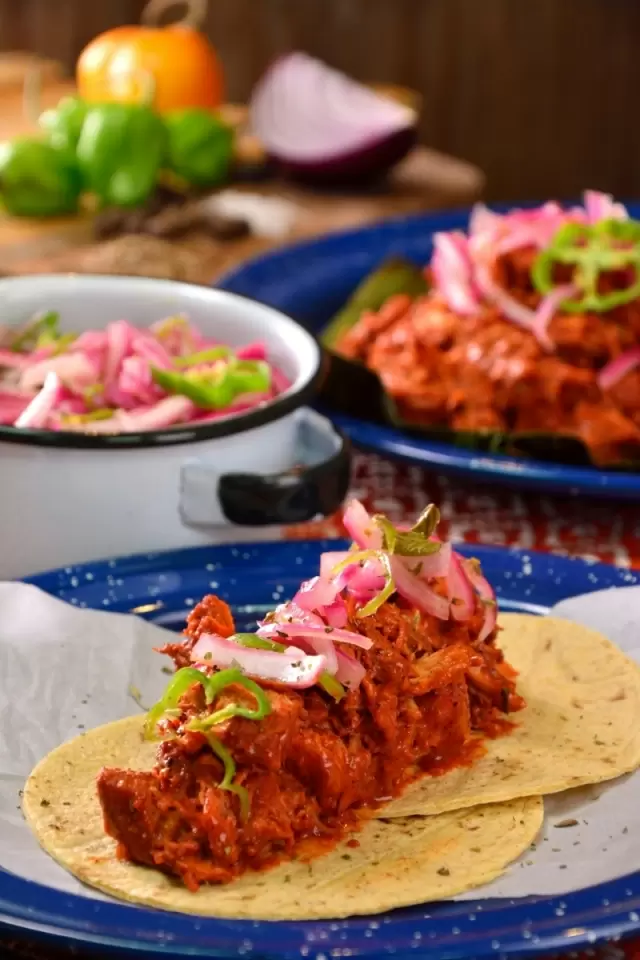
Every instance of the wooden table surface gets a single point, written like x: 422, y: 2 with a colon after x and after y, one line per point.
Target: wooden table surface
x: 426, y: 180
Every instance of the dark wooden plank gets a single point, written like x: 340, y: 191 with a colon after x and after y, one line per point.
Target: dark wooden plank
x: 541, y: 95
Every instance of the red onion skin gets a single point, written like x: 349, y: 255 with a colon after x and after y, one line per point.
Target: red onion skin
x: 362, y: 166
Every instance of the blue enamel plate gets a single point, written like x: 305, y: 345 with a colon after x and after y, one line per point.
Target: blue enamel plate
x: 312, y: 280
x: 163, y: 587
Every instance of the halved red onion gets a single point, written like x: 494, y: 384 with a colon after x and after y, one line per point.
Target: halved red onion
x: 618, y: 368
x: 294, y: 669
x: 487, y: 597
x: 39, y: 410
x: 547, y: 310
x: 461, y: 595
x: 350, y: 671
x: 282, y: 631
x: 452, y: 272
x: 416, y: 591
x: 601, y: 206
x: 319, y: 123
x: 360, y: 526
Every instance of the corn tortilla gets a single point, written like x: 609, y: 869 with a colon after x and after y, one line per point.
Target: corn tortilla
x: 397, y: 862
x: 581, y: 724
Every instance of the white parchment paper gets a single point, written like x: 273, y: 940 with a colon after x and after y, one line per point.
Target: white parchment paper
x: 65, y: 669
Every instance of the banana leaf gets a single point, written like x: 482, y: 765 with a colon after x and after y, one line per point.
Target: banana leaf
x: 394, y: 276
x: 352, y: 389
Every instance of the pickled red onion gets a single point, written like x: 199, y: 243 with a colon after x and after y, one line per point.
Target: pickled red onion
x: 618, y: 368
x: 461, y: 595
x: 360, y: 526
x: 296, y: 670
x: 487, y: 597
x: 279, y: 632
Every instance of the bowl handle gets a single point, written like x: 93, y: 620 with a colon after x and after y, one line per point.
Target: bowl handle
x: 315, y: 486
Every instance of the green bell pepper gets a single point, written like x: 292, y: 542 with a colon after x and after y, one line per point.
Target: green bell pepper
x: 591, y: 251
x: 63, y: 125
x: 120, y: 152
x: 217, y: 387
x: 38, y: 179
x: 199, y: 146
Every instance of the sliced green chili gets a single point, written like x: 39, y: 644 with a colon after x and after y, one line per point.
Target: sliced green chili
x: 218, y: 386
x: 389, y: 587
x: 216, y: 684
x: 591, y: 250
x: 229, y: 773
x: 176, y: 688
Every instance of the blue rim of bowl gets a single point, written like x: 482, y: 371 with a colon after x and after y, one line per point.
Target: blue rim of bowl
x: 276, y: 409
x: 478, y: 929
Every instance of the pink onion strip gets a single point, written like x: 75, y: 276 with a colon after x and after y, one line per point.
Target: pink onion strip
x: 452, y: 271
x: 316, y: 593
x: 487, y: 597
x: 461, y: 595
x: 166, y: 413
x: 118, y: 341
x: 416, y: 591
x: 618, y: 368
x: 350, y: 672
x: 279, y: 632
x: 546, y: 311
x: 360, y: 526
x: 293, y: 669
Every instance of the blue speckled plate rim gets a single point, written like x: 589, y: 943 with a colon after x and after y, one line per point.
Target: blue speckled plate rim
x: 284, y: 277
x: 525, y: 580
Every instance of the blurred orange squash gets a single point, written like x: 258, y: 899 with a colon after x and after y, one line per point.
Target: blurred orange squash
x: 118, y: 64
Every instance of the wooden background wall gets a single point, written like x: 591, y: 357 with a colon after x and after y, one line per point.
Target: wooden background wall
x: 543, y: 94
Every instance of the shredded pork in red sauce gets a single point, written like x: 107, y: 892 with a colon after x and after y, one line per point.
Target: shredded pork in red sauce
x: 485, y: 372
x: 314, y: 768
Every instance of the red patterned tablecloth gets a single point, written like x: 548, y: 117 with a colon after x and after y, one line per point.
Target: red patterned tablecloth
x: 478, y: 514
x: 596, y: 529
